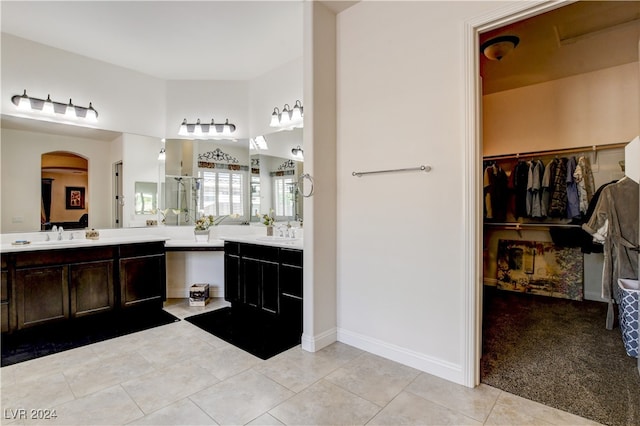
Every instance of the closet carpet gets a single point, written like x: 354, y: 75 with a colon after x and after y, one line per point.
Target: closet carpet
x: 558, y: 352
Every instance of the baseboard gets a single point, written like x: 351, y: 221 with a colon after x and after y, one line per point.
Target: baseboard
x: 422, y: 362
x: 319, y: 341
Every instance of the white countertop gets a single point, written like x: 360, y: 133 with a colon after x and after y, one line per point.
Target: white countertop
x: 294, y: 243
x: 174, y: 237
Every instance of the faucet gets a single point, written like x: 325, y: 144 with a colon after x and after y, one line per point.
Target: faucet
x: 60, y: 229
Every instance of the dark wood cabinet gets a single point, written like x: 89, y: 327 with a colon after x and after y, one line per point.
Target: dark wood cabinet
x: 264, y: 283
x: 91, y: 287
x: 42, y: 295
x: 40, y: 287
x: 142, y: 275
x: 232, y: 288
x: 4, y: 301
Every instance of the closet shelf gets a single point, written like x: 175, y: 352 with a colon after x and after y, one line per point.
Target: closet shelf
x: 593, y: 148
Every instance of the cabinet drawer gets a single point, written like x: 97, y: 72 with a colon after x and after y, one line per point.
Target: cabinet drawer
x: 266, y: 253
x: 291, y: 257
x: 142, y: 249
x: 62, y: 256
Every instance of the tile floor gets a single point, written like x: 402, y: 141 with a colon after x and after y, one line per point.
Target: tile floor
x: 178, y: 374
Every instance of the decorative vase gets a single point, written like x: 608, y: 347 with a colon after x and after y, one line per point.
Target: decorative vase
x: 202, y: 236
x: 269, y: 231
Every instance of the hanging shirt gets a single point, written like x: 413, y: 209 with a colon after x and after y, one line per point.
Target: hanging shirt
x: 558, y: 205
x: 573, y: 202
x: 547, y: 187
x: 534, y: 187
x: 520, y: 180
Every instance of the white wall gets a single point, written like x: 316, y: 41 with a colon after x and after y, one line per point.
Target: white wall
x: 400, y: 247
x: 280, y: 86
x: 21, y: 154
x: 126, y: 101
x: 205, y: 100
x: 595, y: 108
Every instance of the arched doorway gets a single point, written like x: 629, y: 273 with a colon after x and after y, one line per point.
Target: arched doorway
x: 64, y: 195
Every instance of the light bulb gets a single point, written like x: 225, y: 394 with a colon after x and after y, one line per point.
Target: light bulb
x: 163, y: 155
x: 70, y: 111
x: 92, y: 115
x: 285, y: 117
x: 213, y: 131
x: 47, y: 108
x: 275, y: 119
x: 25, y: 103
x: 183, y: 128
x: 197, y: 132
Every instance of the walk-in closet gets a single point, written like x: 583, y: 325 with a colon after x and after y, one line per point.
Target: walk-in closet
x: 560, y: 114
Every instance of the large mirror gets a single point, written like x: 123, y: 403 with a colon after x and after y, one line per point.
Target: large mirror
x: 277, y: 161
x: 216, y: 177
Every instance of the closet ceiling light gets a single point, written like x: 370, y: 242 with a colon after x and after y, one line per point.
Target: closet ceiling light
x: 212, y: 130
x: 496, y: 48
x: 289, y: 118
x: 57, y: 110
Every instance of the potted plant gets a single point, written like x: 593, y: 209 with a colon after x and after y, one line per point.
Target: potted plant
x: 268, y: 220
x: 202, y: 225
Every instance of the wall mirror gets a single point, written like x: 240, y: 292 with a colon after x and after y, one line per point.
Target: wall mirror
x: 146, y: 198
x: 205, y: 177
x: 276, y: 164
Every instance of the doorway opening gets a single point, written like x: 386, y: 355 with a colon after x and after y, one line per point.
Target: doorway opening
x: 511, y: 252
x: 64, y: 190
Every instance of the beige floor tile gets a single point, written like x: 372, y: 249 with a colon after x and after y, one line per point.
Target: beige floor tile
x: 265, y: 420
x: 103, y: 373
x: 111, y: 406
x: 241, y: 398
x: 512, y: 409
x: 183, y: 412
x: 324, y: 403
x: 373, y: 378
x: 165, y: 351
x: 410, y: 409
x: 42, y: 392
x: 54, y: 363
x: 163, y: 387
x: 228, y: 361
x: 475, y: 403
x: 119, y: 345
x: 296, y: 368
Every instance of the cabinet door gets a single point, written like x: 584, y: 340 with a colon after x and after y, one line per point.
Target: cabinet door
x: 232, y: 288
x: 4, y: 304
x: 142, y: 280
x: 251, y: 281
x: 270, y: 288
x: 91, y: 287
x: 42, y: 295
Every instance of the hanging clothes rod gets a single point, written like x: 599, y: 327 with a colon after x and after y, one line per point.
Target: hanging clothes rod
x: 593, y: 148
x: 410, y: 169
x: 517, y: 225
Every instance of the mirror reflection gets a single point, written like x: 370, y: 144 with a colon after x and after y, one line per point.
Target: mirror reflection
x: 146, y: 197
x: 218, y: 177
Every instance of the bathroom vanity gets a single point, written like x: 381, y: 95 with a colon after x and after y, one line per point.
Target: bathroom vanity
x: 263, y: 281
x: 60, y: 281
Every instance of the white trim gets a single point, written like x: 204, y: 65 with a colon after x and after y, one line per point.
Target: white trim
x: 471, y: 345
x: 317, y: 342
x: 417, y: 360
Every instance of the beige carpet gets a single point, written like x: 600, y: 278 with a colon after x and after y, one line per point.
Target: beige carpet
x: 558, y: 352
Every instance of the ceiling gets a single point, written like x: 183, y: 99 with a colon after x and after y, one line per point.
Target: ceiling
x: 170, y: 40
x: 240, y: 40
x: 582, y: 37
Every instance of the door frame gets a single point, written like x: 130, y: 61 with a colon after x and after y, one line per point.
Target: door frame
x: 473, y: 230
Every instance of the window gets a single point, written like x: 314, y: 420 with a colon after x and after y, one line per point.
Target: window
x: 284, y: 194
x: 222, y: 193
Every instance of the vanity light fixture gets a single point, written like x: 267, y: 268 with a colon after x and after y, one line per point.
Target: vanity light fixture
x: 212, y: 130
x: 55, y: 109
x: 289, y: 118
x: 163, y: 155
x: 297, y: 152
